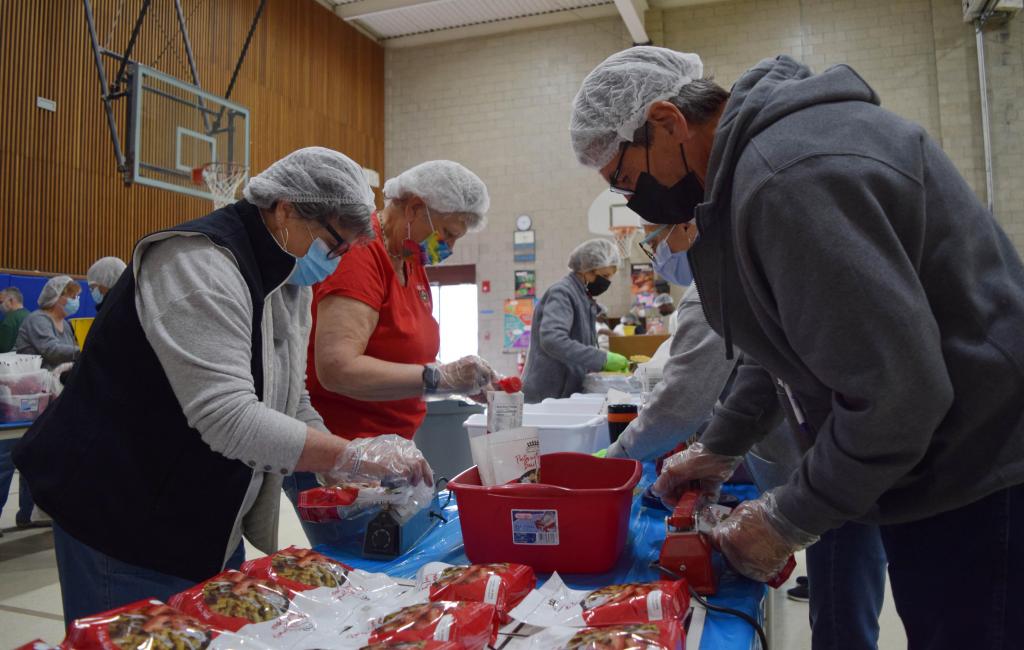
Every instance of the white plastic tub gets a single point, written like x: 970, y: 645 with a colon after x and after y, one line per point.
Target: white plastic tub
x: 567, y: 406
x: 557, y: 431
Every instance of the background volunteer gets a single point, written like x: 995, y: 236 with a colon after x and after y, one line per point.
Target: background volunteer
x: 44, y: 331
x: 102, y: 275
x: 563, y: 345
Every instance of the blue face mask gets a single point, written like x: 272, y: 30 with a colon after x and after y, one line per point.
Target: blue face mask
x: 71, y: 306
x: 674, y: 267
x: 97, y: 297
x: 314, y: 266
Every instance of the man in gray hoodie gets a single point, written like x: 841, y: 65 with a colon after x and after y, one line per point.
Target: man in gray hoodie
x: 840, y: 248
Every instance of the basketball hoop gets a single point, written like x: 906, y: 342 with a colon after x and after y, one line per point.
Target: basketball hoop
x: 625, y: 237
x: 222, y: 178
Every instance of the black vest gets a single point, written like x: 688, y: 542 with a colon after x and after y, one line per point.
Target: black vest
x: 114, y: 461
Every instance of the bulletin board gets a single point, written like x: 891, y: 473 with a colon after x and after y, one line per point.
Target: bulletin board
x: 518, y: 319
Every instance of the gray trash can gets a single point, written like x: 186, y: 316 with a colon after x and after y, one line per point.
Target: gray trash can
x: 443, y: 439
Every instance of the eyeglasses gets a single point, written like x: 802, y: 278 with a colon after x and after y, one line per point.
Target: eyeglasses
x: 645, y: 243
x: 340, y: 245
x: 613, y: 182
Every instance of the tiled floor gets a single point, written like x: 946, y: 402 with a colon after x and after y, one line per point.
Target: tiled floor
x: 30, y: 595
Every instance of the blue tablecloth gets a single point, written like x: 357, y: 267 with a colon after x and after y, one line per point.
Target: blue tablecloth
x: 646, y: 534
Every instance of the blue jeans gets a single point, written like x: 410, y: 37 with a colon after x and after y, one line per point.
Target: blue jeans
x: 25, y: 505
x: 846, y: 578
x: 958, y: 577
x: 92, y: 582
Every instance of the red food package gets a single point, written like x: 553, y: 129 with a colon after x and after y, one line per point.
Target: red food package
x: 471, y: 624
x: 299, y: 569
x: 141, y: 625
x: 663, y: 635
x: 502, y: 585
x: 231, y: 600
x: 340, y: 502
x: 415, y: 645
x: 636, y: 603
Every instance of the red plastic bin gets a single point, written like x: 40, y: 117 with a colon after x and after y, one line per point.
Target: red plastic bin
x: 574, y: 522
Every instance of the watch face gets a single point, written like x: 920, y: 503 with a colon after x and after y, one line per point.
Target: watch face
x: 523, y: 222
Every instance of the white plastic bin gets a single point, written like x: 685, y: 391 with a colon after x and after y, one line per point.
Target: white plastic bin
x: 557, y: 431
x: 567, y: 406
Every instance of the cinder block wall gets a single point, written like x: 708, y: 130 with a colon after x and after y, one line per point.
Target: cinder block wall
x: 500, y: 105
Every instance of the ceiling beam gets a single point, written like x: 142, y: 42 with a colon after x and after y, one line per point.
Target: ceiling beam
x: 366, y: 7
x: 501, y: 26
x: 632, y: 13
x: 675, y: 4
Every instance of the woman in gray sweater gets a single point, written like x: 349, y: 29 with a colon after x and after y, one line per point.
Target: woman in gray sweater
x: 45, y: 331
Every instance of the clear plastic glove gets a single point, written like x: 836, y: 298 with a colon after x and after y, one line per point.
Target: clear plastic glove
x: 694, y: 464
x: 616, y: 363
x: 757, y: 539
x: 470, y: 376
x: 616, y: 450
x: 390, y: 459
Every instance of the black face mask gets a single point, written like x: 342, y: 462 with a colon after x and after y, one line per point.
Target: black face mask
x: 599, y: 285
x: 666, y: 205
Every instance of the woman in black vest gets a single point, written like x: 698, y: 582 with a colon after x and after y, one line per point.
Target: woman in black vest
x: 188, y: 405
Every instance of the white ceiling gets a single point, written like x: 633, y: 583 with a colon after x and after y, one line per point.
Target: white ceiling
x: 405, y: 23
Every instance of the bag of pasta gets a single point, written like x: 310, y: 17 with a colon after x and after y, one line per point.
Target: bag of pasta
x: 636, y: 603
x: 299, y: 569
x: 471, y: 624
x: 149, y: 625
x: 416, y: 645
x: 259, y: 609
x: 502, y: 584
x: 663, y: 635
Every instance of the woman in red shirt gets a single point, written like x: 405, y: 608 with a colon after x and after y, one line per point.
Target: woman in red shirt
x: 374, y: 340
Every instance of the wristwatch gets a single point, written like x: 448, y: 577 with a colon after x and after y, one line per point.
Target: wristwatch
x: 431, y: 378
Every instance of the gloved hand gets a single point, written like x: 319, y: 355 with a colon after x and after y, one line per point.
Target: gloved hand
x: 616, y: 363
x: 691, y: 464
x: 616, y: 450
x: 600, y: 453
x: 390, y: 459
x: 470, y: 376
x: 757, y: 539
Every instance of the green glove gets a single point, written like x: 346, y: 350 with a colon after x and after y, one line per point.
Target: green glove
x: 616, y: 363
x: 600, y: 453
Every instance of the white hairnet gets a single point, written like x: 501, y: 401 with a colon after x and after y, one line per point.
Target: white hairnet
x: 446, y: 187
x: 612, y: 103
x: 593, y: 254
x: 105, y: 271
x: 663, y: 299
x: 629, y: 318
x: 326, y: 182
x: 55, y: 286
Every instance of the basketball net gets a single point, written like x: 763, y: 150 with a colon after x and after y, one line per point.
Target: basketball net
x: 625, y: 237
x: 222, y: 179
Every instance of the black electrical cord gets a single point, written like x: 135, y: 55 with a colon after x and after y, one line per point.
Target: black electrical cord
x: 716, y: 608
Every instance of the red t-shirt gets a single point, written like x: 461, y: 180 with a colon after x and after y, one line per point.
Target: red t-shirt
x: 406, y: 333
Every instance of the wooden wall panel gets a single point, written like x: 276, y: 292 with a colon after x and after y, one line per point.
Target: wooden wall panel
x: 309, y: 79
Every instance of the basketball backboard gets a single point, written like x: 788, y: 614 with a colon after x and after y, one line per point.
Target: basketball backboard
x: 609, y: 211
x: 176, y: 127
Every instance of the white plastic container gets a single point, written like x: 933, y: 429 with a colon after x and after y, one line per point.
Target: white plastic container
x: 558, y: 431
x: 12, y: 363
x: 567, y: 406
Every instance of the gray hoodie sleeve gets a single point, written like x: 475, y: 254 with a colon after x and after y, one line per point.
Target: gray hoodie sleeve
x: 749, y: 413
x: 854, y: 310
x: 38, y: 335
x: 692, y: 380
x: 196, y: 312
x: 554, y: 334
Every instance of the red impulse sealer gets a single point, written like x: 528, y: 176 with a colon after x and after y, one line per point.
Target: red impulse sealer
x: 687, y: 548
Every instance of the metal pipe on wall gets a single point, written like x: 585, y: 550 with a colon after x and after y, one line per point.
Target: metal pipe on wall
x: 986, y: 132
